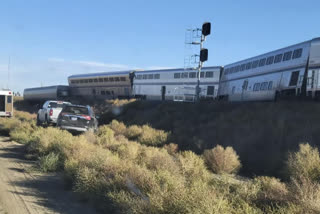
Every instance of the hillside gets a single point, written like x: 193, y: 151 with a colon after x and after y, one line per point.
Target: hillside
x: 262, y: 133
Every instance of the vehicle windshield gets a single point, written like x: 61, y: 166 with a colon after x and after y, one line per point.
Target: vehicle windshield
x: 57, y: 105
x: 77, y: 110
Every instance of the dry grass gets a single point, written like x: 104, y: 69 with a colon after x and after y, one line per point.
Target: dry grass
x: 125, y: 176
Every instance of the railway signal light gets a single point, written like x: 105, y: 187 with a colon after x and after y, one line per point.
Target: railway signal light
x: 206, y: 28
x: 203, y: 55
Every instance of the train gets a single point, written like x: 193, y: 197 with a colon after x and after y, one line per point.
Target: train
x: 292, y: 71
x: 42, y: 94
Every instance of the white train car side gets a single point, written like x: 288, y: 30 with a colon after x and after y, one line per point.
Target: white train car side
x: 278, y: 73
x: 176, y: 84
x: 105, y: 85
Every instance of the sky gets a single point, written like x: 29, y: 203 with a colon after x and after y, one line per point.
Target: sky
x: 45, y: 41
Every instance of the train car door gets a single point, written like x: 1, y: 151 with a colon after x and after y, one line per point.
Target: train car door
x: 163, y: 92
x: 244, y: 89
x: 312, y: 82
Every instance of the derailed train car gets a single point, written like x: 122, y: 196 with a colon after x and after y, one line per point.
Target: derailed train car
x: 290, y: 71
x: 42, y: 94
x: 106, y: 85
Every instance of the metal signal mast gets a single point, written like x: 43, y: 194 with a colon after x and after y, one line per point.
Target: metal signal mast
x: 198, y: 38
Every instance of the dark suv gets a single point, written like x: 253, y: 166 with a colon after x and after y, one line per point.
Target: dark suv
x: 77, y: 118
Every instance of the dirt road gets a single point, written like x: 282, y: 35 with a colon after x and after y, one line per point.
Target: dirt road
x: 23, y: 191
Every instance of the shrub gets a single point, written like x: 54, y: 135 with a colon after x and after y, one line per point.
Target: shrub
x: 222, y: 160
x: 50, y: 162
x: 172, y: 148
x: 304, y: 163
x: 105, y: 135
x: 271, y: 189
x: 306, y: 193
x: 152, y: 137
x: 133, y: 132
x: 8, y: 124
x: 118, y: 127
x: 22, y: 133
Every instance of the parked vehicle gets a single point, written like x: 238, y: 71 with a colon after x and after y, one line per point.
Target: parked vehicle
x: 6, y: 103
x: 50, y: 111
x: 77, y: 118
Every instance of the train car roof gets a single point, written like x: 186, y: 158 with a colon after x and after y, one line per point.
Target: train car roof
x: 100, y: 74
x: 137, y: 71
x: 45, y: 87
x: 270, y: 52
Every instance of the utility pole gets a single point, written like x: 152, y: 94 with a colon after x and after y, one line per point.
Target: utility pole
x: 8, y: 73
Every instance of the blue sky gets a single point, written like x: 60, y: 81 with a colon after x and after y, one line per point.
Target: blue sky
x: 49, y: 40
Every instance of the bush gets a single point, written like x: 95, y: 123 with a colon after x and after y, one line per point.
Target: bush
x: 304, y: 163
x: 22, y: 133
x: 105, y: 136
x: 50, y: 162
x: 271, y: 189
x: 152, y: 137
x: 118, y: 127
x: 133, y: 132
x: 8, y: 124
x: 222, y: 160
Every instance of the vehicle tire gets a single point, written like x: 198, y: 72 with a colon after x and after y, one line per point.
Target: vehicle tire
x: 38, y: 120
x: 45, y: 121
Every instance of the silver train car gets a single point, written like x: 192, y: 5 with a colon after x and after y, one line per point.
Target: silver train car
x: 106, y: 85
x: 41, y: 94
x: 290, y: 71
x: 176, y: 84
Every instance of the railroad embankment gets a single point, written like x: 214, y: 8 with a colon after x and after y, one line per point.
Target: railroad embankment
x: 184, y: 158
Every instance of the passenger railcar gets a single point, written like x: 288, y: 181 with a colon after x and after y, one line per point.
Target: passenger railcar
x: 106, y: 85
x: 41, y: 94
x: 176, y: 84
x: 293, y: 71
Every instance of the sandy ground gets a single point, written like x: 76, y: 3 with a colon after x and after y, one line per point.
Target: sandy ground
x: 25, y: 191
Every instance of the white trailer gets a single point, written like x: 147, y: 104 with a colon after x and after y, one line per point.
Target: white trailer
x: 6, y: 103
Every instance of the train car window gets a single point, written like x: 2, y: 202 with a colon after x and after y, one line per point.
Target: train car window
x: 123, y: 79
x: 90, y: 80
x: 72, y: 81
x: 139, y: 77
x: 270, y: 60
x: 264, y: 86
x: 287, y: 56
x: 209, y: 74
x: 100, y: 79
x: 262, y: 62
x: 192, y: 75
x: 77, y: 81
x: 95, y: 80
x: 184, y: 75
x: 232, y: 70
x: 226, y: 71
x: 233, y: 89
x: 248, y: 65
x: 237, y: 69
x: 111, y: 79
x: 81, y: 81
x: 297, y: 53
x: 105, y: 79
x: 243, y: 66
x: 176, y: 75
x: 145, y: 76
x: 256, y: 87
x: 278, y: 58
x: 255, y: 64
x: 157, y: 76
x: 150, y: 76
x: 201, y: 74
x: 86, y: 81
x: 270, y: 85
x: 294, y: 78
x: 103, y: 93
x: 107, y: 92
x: 117, y: 79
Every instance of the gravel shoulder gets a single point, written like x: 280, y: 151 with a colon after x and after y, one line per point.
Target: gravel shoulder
x: 25, y: 191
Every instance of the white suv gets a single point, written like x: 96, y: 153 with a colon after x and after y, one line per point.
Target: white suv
x: 50, y: 111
